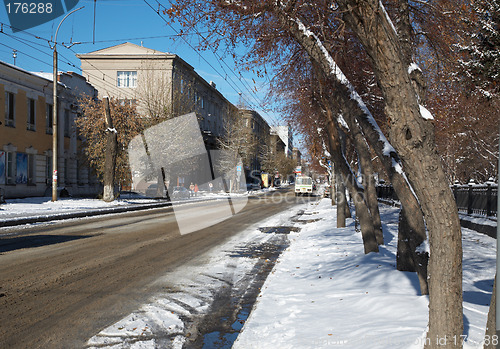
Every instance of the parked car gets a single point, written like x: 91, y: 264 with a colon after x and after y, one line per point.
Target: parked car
x: 180, y: 193
x: 152, y: 191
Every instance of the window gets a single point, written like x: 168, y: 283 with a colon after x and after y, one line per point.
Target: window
x: 9, y: 109
x: 48, y: 117
x: 10, y: 168
x: 31, y: 114
x: 127, y: 101
x: 67, y: 121
x: 31, y: 169
x: 126, y: 79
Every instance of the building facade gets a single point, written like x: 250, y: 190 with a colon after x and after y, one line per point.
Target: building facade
x: 297, y: 156
x: 161, y: 84
x: 26, y: 133
x: 286, y: 135
x: 258, y: 131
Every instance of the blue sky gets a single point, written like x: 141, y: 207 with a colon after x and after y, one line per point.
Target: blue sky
x: 118, y: 21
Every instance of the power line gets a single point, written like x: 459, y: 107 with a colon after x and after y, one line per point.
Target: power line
x: 36, y: 59
x: 231, y: 83
x: 248, y: 88
x: 138, y: 38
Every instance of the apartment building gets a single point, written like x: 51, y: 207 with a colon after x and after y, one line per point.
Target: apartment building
x: 26, y: 133
x: 258, y: 132
x: 161, y: 84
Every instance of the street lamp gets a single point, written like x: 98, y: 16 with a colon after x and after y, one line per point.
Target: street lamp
x: 54, y: 112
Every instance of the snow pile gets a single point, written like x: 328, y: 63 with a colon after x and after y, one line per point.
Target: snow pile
x: 326, y: 292
x: 43, y: 206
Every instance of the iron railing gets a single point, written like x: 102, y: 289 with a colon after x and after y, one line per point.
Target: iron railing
x: 480, y: 199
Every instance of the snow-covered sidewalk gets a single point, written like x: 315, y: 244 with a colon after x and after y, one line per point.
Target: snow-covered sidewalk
x: 325, y: 292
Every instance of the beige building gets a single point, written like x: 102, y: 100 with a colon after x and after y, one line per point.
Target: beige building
x: 26, y: 133
x: 161, y: 84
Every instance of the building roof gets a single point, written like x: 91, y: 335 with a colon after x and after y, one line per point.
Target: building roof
x: 130, y: 51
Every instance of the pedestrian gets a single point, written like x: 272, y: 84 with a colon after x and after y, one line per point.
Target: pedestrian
x: 191, y: 188
x: 210, y: 186
x: 196, y: 189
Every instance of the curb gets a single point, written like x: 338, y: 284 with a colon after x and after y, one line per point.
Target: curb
x: 103, y: 211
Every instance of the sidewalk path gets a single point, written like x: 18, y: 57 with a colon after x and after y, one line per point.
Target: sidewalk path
x: 324, y: 292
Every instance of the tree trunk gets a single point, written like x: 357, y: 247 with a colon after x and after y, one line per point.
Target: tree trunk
x: 413, y: 137
x: 110, y: 156
x: 407, y: 257
x: 347, y: 177
x: 333, y: 191
x: 340, y: 199
x: 368, y: 182
x: 491, y: 323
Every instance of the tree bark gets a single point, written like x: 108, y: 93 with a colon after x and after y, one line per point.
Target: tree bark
x: 110, y: 156
x: 341, y: 200
x: 347, y: 177
x: 333, y: 190
x: 368, y: 182
x: 407, y: 257
x: 491, y: 323
x: 413, y: 137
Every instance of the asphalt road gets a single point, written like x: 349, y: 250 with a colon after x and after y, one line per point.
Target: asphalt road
x: 64, y: 282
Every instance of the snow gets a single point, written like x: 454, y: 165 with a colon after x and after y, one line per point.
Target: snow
x: 322, y: 292
x: 326, y: 292
x: 388, y: 18
x: 413, y: 66
x: 342, y: 122
x: 43, y: 206
x: 426, y: 114
x: 480, y: 220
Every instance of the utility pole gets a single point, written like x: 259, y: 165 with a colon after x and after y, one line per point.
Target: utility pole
x: 110, y: 157
x: 54, y: 112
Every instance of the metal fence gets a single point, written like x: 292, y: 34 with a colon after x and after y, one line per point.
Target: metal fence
x: 478, y: 199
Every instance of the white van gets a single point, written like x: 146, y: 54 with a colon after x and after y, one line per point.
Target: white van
x: 303, y: 185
